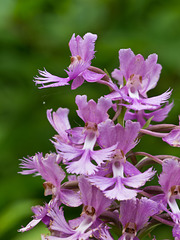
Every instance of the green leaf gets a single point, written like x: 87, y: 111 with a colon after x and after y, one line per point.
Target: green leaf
x: 146, y: 230
x: 105, y: 70
x: 34, y: 234
x: 124, y: 81
x: 147, y: 123
x: 14, y: 213
x: 115, y: 231
x: 121, y: 116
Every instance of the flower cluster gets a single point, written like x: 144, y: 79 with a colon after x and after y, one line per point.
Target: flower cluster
x: 94, y: 166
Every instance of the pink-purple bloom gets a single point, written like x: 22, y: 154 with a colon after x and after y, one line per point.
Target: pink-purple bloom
x: 139, y: 76
x: 82, y: 51
x: 126, y: 178
x: 79, y: 158
x: 53, y: 175
x: 94, y: 204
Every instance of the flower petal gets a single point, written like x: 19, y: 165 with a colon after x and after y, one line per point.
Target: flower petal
x: 49, y: 80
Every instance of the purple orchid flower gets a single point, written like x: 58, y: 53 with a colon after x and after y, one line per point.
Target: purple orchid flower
x: 94, y: 203
x: 50, y: 171
x: 173, y: 138
x: 125, y: 138
x: 91, y: 113
x: 134, y: 214
x: 82, y: 51
x: 79, y: 159
x: 140, y: 76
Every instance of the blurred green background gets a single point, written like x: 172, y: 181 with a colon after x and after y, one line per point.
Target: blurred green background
x: 35, y: 34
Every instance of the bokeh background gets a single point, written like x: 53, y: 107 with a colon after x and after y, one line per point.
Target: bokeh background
x: 34, y: 34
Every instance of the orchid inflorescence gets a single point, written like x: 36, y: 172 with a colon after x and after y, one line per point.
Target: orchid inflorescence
x: 94, y: 165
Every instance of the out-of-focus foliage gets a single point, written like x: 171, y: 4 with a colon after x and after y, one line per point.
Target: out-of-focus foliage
x: 34, y: 34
